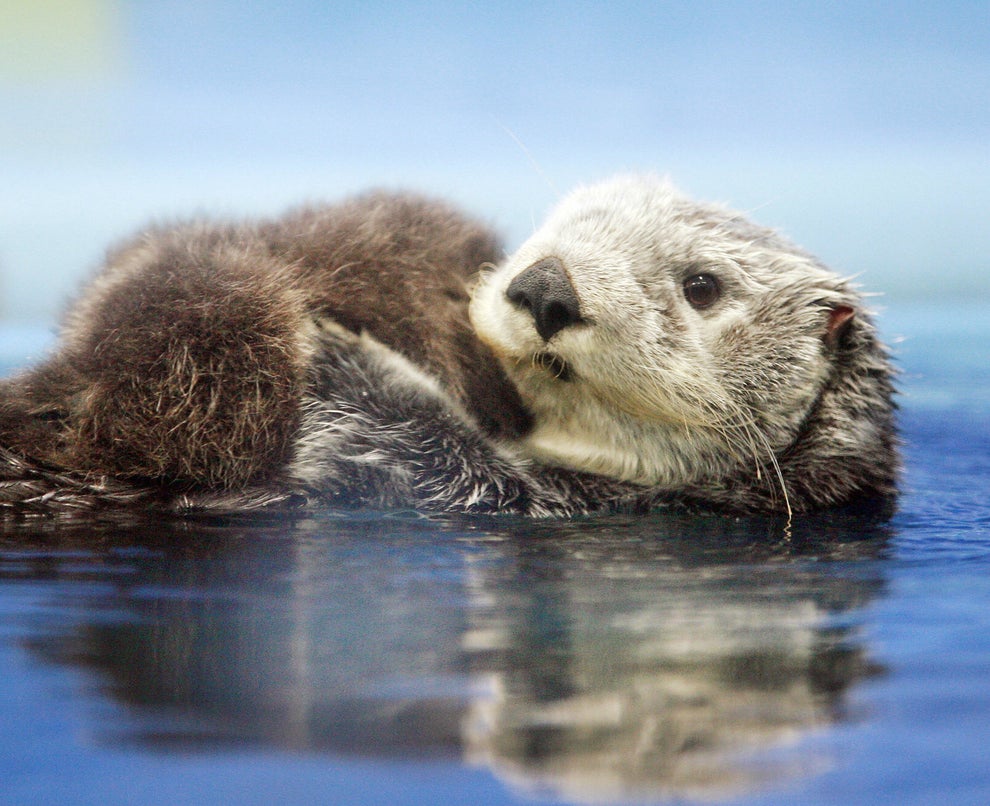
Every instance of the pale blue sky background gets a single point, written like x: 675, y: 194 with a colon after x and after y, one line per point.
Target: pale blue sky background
x: 861, y: 129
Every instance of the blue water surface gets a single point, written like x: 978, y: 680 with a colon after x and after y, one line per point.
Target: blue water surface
x: 391, y: 658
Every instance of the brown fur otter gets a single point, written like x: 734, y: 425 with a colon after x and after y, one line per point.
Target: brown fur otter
x: 639, y: 348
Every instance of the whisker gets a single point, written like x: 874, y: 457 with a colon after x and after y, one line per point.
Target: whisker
x: 677, y: 403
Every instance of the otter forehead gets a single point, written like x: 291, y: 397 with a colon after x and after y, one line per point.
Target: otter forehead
x: 618, y: 217
x: 645, y: 223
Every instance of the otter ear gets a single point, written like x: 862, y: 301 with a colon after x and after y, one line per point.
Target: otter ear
x: 839, y: 321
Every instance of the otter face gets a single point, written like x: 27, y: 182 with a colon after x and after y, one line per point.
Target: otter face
x: 658, y: 340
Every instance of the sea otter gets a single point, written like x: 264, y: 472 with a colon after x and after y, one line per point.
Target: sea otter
x: 639, y: 349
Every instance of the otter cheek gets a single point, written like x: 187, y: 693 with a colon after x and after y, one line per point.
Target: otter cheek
x: 800, y: 384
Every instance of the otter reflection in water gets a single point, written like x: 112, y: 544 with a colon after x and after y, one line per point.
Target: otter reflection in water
x: 602, y: 660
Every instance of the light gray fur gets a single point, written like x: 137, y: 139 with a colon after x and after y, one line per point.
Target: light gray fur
x: 746, y: 404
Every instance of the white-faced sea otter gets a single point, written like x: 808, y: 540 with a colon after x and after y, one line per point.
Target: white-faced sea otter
x: 639, y: 349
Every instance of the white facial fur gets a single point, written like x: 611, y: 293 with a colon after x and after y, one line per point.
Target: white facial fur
x: 660, y: 392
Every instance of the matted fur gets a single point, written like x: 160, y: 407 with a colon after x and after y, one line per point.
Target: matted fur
x: 329, y: 357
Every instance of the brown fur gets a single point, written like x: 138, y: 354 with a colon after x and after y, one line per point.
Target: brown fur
x: 401, y: 270
x: 184, y: 362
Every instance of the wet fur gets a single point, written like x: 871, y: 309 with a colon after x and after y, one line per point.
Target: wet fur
x: 779, y: 396
x: 327, y: 357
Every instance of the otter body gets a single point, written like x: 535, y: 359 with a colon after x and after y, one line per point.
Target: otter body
x: 638, y: 348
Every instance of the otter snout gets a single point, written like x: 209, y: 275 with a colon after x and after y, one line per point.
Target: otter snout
x: 545, y: 290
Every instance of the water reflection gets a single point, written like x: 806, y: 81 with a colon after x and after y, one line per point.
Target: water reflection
x: 597, y: 660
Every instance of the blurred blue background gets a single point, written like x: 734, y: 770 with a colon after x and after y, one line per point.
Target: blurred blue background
x: 859, y: 129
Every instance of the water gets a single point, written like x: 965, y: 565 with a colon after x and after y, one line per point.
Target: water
x: 389, y: 658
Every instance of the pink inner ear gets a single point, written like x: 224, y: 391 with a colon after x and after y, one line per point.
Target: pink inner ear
x: 838, y: 320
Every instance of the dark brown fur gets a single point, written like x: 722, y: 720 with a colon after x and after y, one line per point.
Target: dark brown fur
x: 401, y: 270
x: 184, y: 363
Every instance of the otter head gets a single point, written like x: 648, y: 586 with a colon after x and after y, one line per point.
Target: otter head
x: 674, y: 344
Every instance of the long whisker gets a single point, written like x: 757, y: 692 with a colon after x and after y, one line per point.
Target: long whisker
x: 676, y: 403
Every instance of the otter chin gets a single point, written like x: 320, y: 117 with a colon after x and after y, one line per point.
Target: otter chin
x: 639, y: 350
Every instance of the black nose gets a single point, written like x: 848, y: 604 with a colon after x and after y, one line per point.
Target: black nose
x: 546, y: 292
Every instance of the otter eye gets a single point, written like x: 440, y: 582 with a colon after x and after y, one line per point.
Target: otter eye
x: 701, y: 290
